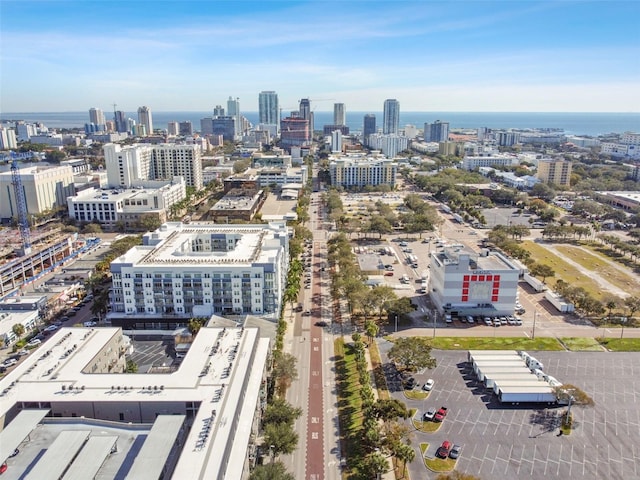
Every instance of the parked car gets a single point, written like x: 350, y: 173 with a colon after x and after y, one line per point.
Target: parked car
x: 321, y: 323
x: 440, y: 414
x: 518, y: 321
x: 388, y: 273
x: 51, y: 328
x: 34, y: 342
x: 496, y: 322
x: 23, y: 352
x: 429, y: 414
x: 428, y: 385
x: 488, y: 322
x: 14, y: 453
x: 455, y: 451
x: 9, y: 362
x: 410, y: 384
x: 443, y: 450
x: 89, y: 323
x: 3, y: 468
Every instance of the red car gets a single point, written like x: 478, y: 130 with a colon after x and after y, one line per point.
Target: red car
x: 3, y: 468
x: 443, y: 450
x: 440, y: 414
x: 388, y: 274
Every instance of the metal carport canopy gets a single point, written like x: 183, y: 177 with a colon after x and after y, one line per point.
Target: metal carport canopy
x: 91, y: 458
x: 59, y: 455
x: 19, y: 429
x: 152, y: 457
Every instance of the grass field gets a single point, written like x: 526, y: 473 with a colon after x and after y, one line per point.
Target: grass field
x: 497, y: 343
x: 576, y: 344
x: 563, y: 270
x: 596, y: 262
x: 621, y: 344
x: 427, y: 427
x: 416, y: 394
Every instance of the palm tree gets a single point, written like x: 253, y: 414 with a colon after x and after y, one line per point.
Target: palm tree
x: 405, y: 453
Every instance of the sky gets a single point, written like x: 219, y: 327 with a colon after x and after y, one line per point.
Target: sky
x: 484, y: 56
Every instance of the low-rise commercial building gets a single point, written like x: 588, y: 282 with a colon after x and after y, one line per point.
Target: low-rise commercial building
x: 465, y: 283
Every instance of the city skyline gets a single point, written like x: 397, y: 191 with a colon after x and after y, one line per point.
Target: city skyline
x: 446, y: 56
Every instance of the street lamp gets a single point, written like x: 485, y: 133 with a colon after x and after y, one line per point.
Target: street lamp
x: 396, y: 323
x: 533, y: 332
x: 623, y: 321
x: 271, y: 448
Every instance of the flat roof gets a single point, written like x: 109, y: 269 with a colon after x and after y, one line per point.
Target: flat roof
x: 174, y: 244
x: 59, y: 455
x: 151, y: 460
x: 91, y: 458
x: 13, y: 434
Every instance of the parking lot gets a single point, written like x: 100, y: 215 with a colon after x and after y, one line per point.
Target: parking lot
x: 504, y: 441
x: 152, y: 354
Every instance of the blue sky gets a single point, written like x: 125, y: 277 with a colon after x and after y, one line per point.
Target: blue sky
x: 507, y: 55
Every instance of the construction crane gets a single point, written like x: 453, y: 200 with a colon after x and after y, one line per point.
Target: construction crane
x: 21, y: 200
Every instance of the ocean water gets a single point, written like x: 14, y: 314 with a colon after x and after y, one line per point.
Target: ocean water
x: 592, y: 124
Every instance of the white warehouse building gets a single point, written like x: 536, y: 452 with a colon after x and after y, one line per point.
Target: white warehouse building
x: 465, y: 283
x: 195, y: 270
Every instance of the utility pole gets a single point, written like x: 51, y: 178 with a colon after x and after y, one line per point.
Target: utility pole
x: 533, y: 332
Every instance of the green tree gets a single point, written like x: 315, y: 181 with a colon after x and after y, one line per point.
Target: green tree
x: 281, y: 411
x: 195, y: 324
x: 281, y: 438
x: 132, y: 367
x: 371, y: 329
x: 18, y: 329
x: 405, y: 453
x: 373, y: 465
x: 633, y: 305
x: 92, y: 228
x: 284, y: 370
x: 412, y: 353
x: 271, y: 471
x: 390, y: 409
x: 542, y: 270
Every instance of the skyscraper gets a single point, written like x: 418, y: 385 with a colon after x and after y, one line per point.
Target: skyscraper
x: 269, y: 108
x: 120, y: 119
x: 96, y: 116
x: 391, y: 119
x: 436, y: 132
x: 339, y: 114
x: 369, y: 125
x: 144, y: 118
x: 218, y: 111
x: 307, y: 114
x: 233, y: 110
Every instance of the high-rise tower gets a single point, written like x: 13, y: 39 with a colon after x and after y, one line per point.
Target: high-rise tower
x: 307, y: 114
x: 436, y: 132
x: 233, y: 110
x: 96, y: 116
x: 268, y: 107
x: 391, y: 119
x: 144, y: 118
x: 120, y: 119
x: 339, y: 114
x: 369, y: 127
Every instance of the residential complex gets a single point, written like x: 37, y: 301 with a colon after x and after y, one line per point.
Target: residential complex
x: 130, y: 164
x: 353, y: 170
x: 436, y: 132
x: 183, y: 271
x: 555, y: 171
x: 205, y: 413
x: 127, y: 208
